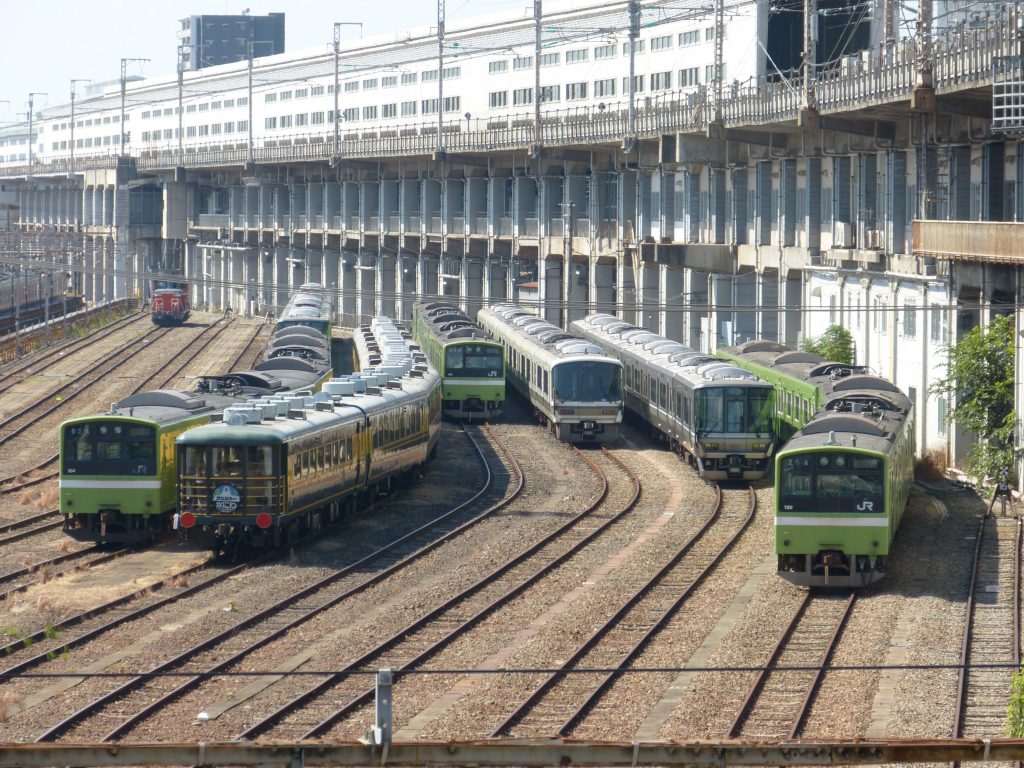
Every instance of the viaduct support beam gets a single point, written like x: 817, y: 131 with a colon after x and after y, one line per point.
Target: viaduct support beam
x: 539, y: 754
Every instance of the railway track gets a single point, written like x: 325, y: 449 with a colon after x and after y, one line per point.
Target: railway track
x: 778, y: 701
x: 250, y: 351
x: 991, y: 630
x: 438, y: 627
x: 20, y: 579
x: 20, y: 421
x: 563, y: 699
x: 226, y: 647
x: 12, y: 377
x: 29, y: 526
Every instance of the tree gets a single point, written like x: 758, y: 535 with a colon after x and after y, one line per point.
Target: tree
x: 979, y: 380
x: 834, y: 345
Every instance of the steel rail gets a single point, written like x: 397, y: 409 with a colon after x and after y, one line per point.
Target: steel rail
x: 463, y: 625
x: 965, y: 643
x: 24, y: 534
x: 77, y: 386
x: 601, y: 632
x: 751, y: 699
x: 103, y: 557
x: 72, y: 346
x: 16, y: 524
x: 11, y: 484
x: 93, y: 706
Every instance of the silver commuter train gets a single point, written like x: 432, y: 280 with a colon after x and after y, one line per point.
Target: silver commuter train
x: 293, y: 461
x: 573, y: 385
x: 719, y: 416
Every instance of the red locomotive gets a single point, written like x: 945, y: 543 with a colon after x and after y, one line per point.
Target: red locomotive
x: 169, y: 302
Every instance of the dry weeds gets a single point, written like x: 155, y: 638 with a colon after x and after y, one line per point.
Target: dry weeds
x: 931, y: 467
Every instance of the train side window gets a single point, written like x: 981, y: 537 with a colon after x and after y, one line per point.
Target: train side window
x: 545, y: 382
x: 348, y: 448
x: 320, y: 457
x: 305, y: 463
x: 296, y: 466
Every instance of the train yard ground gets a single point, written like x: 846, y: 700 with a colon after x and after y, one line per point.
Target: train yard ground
x: 520, y: 588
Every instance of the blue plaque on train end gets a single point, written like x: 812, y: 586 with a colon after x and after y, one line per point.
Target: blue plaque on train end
x: 226, y: 498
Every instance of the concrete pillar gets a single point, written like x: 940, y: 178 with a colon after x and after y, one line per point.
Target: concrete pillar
x: 672, y: 302
x: 650, y: 295
x: 388, y: 269
x: 349, y: 287
x: 108, y: 269
x: 603, y: 292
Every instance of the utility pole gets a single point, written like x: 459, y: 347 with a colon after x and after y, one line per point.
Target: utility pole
x: 634, y: 35
x: 337, y: 81
x: 719, y: 56
x: 124, y: 74
x: 72, y: 142
x: 538, y: 131
x: 924, y: 43
x: 31, y: 138
x: 810, y: 52
x: 181, y: 107
x: 440, y: 75
x: 248, y: 156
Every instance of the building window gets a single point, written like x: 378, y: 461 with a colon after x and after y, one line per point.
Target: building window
x: 575, y: 91
x: 286, y: 121
x: 351, y: 87
x: 496, y: 67
x: 300, y: 120
x: 370, y: 84
x: 316, y: 118
x: 408, y: 78
x: 605, y: 51
x: 638, y: 85
x: 428, y: 107
x: 408, y: 108
x: 389, y: 110
x: 145, y: 136
x: 709, y: 33
x: 370, y: 113
x: 389, y: 82
x: 285, y: 95
x: 145, y: 116
x: 940, y: 324
x: 452, y: 73
x: 350, y: 115
x: 662, y: 43
x: 941, y: 411
x: 577, y: 56
x: 214, y: 130
x: 204, y: 130
x: 190, y: 132
x: 243, y: 126
x: 270, y: 123
x: 690, y: 76
x: 269, y: 98
x: 215, y: 105
x: 429, y: 76
x: 452, y: 103
x: 549, y: 93
x: 909, y: 320
x: 661, y: 81
x: 881, y: 322
x: 639, y: 47
x: 604, y: 88
x: 497, y: 99
x: 204, y: 107
x: 522, y: 96
x: 316, y: 90
x: 550, y: 59
x: 832, y: 310
x: 522, y: 62
x: 229, y: 127
x: 243, y: 101
x: 301, y: 93
x: 709, y: 73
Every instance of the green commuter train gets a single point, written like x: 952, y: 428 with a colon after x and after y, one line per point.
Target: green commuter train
x: 843, y: 479
x: 471, y: 363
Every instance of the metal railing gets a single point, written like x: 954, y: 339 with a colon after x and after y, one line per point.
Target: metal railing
x: 961, y: 58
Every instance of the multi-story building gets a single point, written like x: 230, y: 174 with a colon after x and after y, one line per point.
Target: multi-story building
x: 210, y: 40
x: 655, y: 160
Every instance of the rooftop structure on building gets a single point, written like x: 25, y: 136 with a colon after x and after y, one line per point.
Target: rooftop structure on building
x: 209, y: 40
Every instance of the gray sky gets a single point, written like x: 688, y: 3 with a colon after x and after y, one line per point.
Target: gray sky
x: 48, y: 42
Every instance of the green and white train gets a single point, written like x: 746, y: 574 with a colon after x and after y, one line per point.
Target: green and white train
x: 843, y: 479
x: 470, y: 361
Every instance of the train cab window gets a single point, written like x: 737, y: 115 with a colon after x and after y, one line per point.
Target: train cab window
x: 110, y: 448
x: 194, y: 461
x: 260, y: 460
x: 226, y: 461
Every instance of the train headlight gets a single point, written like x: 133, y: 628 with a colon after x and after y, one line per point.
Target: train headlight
x: 874, y: 543
x: 785, y: 542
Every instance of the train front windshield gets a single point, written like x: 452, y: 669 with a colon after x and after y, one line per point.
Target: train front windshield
x: 734, y: 410
x: 228, y: 479
x: 109, y: 448
x: 832, y: 481
x: 587, y: 380
x: 474, y: 361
